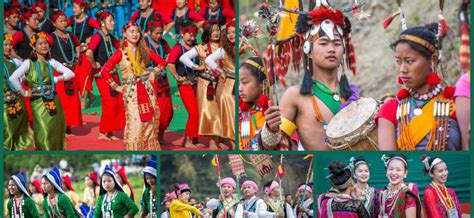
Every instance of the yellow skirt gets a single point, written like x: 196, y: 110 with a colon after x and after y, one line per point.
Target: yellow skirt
x: 226, y: 102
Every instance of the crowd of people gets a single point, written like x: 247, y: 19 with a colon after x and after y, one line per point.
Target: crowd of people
x: 109, y: 194
x: 53, y: 53
x: 351, y: 195
x: 426, y: 114
x: 274, y: 203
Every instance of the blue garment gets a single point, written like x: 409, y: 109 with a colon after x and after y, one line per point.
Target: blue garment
x: 120, y: 19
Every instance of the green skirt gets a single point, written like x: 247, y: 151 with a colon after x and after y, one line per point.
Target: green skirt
x: 16, y: 135
x: 50, y: 130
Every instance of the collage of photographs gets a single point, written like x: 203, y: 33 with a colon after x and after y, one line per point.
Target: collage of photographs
x: 236, y: 108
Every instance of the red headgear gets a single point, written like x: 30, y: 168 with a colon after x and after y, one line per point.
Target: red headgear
x: 81, y: 3
x: 56, y: 15
x: 94, y: 177
x: 189, y: 29
x: 101, y: 15
x: 67, y: 181
x: 27, y: 15
x: 39, y: 4
x: 12, y: 11
x: 128, y: 25
x: 37, y: 185
x: 123, y: 175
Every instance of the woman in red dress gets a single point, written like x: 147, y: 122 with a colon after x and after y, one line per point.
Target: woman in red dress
x: 439, y: 200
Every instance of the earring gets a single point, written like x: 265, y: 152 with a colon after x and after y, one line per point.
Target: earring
x: 307, y: 46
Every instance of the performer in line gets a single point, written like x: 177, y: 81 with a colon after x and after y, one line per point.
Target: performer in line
x: 439, y: 200
x: 362, y: 191
x: 251, y: 206
x: 20, y: 203
x: 123, y: 181
x: 182, y: 14
x: 49, y: 123
x: 56, y: 202
x: 146, y: 14
x: 276, y: 205
x: 149, y: 207
x: 37, y: 195
x: 113, y: 202
x: 226, y: 205
x: 70, y: 192
x: 142, y: 112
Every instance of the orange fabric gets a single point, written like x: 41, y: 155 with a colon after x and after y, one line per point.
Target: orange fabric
x: 260, y: 120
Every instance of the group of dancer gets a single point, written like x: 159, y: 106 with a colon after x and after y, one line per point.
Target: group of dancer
x: 273, y: 204
x: 111, y: 195
x: 51, y: 61
x: 424, y: 115
x: 351, y: 195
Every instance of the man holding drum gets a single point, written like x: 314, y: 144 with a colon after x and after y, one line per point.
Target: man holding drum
x: 310, y: 106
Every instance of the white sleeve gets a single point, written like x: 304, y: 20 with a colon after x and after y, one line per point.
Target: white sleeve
x: 17, y: 61
x: 262, y: 210
x: 289, y: 211
x: 187, y: 57
x: 18, y: 74
x: 66, y: 72
x: 212, y: 204
x: 212, y: 59
x: 239, y: 212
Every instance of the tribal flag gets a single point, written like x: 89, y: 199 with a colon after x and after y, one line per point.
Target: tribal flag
x: 262, y: 162
x: 216, y: 163
x: 280, y: 171
x: 237, y: 165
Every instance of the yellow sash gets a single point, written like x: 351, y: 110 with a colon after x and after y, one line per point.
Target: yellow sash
x: 420, y: 126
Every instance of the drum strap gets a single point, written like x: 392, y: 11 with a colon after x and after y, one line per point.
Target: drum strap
x: 319, y: 116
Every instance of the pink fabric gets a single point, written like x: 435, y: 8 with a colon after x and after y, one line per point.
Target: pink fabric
x: 250, y: 183
x: 463, y: 87
x: 274, y: 185
x: 228, y: 181
x: 303, y: 187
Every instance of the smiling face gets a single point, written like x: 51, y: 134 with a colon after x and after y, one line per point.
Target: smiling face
x: 215, y: 33
x: 440, y: 173
x: 109, y: 23
x: 362, y: 173
x: 227, y: 190
x: 249, y: 88
x: 396, y: 172
x: 231, y: 34
x: 184, y: 196
x: 413, y: 68
x: 151, y: 180
x: 13, y: 20
x: 7, y: 47
x: 108, y: 182
x: 42, y: 46
x: 133, y: 34
x: 326, y: 53
x: 12, y: 187
x: 33, y: 22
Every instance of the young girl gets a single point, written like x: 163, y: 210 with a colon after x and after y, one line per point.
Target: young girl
x: 113, y: 202
x: 207, y: 105
x: 21, y: 38
x: 180, y: 206
x: 56, y: 203
x: 37, y: 195
x: 182, y: 14
x: 123, y: 181
x: 225, y: 88
x: 149, y: 207
x: 65, y: 49
x: 398, y: 199
x: 91, y: 193
x: 439, y: 200
x: 338, y: 201
x: 12, y: 18
x: 142, y: 113
x: 48, y: 118
x: 15, y: 116
x: 99, y: 50
x: 161, y: 85
x: 20, y: 203
x: 362, y: 191
x: 70, y: 192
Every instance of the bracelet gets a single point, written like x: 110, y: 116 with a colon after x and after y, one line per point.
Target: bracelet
x: 269, y: 138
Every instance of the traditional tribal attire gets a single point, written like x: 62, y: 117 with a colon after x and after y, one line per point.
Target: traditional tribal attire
x: 143, y: 19
x: 142, y: 126
x: 255, y: 207
x: 228, y: 206
x: 64, y: 51
x: 90, y: 196
x: 113, y: 112
x: 149, y: 206
x: 395, y: 205
x: 127, y: 187
x: 38, y: 196
x: 115, y: 205
x: 340, y: 205
x: 189, y: 15
x: 208, y: 108
x: 225, y: 91
x: 274, y: 206
x: 49, y: 122
x: 71, y: 193
x: 161, y: 84
x: 180, y: 209
x: 441, y: 202
x: 24, y: 206
x: 60, y: 205
x: 15, y: 116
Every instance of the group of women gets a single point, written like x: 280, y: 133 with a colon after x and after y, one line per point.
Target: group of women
x: 351, y: 195
x: 53, y: 195
x: 49, y: 73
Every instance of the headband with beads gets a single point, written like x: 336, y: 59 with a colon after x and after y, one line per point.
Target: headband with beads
x: 386, y: 160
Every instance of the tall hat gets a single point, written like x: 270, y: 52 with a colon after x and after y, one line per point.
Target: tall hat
x: 123, y: 175
x: 54, y: 176
x: 67, y: 181
x: 20, y: 181
x: 151, y: 166
x: 110, y: 171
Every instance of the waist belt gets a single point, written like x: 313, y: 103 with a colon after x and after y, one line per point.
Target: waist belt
x: 207, y: 76
x: 10, y: 97
x: 36, y: 91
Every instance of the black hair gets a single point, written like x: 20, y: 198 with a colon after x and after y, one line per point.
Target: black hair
x: 357, y: 160
x: 339, y: 174
x: 206, y: 33
x: 391, y: 156
x: 257, y: 73
x: 427, y: 32
x: 268, y: 184
x: 430, y: 162
x: 187, y: 24
x: 33, y: 56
